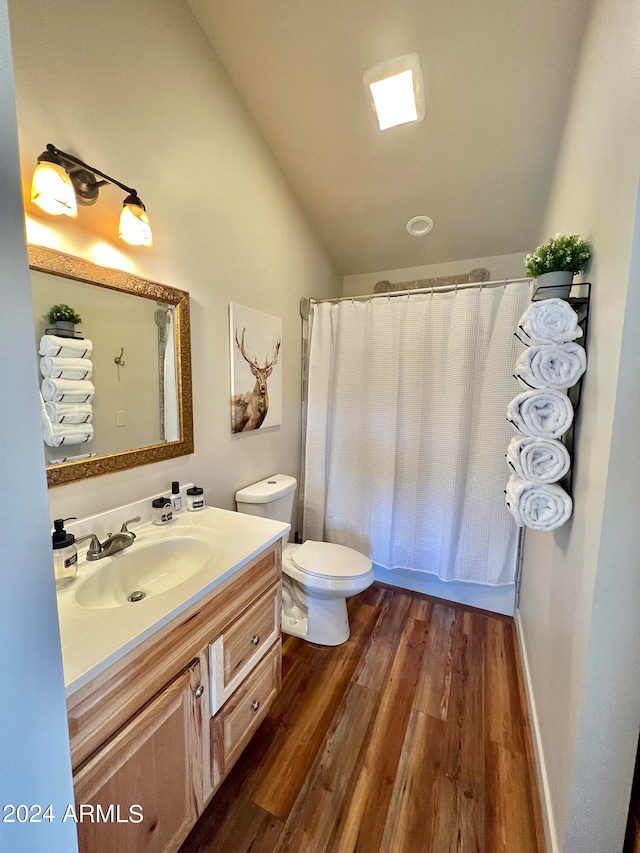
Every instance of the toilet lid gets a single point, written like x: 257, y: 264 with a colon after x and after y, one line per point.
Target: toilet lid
x: 325, y: 558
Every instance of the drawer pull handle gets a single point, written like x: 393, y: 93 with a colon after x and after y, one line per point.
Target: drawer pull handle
x: 199, y: 691
x: 255, y: 705
x: 255, y: 640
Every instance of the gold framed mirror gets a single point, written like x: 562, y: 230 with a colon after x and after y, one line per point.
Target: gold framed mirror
x: 143, y: 402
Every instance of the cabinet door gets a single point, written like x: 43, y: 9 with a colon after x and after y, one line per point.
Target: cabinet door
x: 155, y: 762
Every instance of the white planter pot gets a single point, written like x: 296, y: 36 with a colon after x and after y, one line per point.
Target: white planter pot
x: 553, y: 284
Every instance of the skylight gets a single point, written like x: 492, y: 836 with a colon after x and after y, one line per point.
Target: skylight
x: 396, y: 91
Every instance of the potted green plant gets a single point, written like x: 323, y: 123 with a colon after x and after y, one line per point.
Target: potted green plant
x: 555, y: 263
x: 64, y: 318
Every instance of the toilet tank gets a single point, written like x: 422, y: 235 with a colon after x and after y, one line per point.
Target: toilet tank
x: 270, y: 498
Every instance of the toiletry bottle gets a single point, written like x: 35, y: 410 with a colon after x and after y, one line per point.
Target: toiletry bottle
x: 161, y: 512
x: 65, y: 553
x: 176, y: 497
x: 195, y: 499
x: 168, y: 509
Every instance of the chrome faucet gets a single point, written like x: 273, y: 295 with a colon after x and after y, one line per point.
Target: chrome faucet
x: 112, y: 544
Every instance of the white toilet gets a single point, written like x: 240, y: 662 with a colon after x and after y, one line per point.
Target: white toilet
x: 317, y: 577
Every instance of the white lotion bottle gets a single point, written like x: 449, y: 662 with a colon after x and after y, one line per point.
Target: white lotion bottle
x: 176, y: 497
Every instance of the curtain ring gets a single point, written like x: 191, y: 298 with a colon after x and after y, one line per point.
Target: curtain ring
x: 432, y: 291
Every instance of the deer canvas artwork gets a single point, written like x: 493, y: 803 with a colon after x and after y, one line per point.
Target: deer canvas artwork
x: 256, y: 369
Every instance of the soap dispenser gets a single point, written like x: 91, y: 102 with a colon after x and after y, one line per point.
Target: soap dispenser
x: 65, y: 553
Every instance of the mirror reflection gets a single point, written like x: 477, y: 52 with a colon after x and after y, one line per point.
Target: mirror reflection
x: 114, y: 365
x: 109, y: 381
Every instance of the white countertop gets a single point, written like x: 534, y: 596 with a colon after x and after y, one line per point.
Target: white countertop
x: 94, y: 638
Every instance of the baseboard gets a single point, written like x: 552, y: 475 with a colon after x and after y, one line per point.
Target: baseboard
x: 541, y: 770
x: 498, y: 599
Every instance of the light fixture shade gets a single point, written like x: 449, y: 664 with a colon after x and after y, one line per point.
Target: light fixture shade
x: 135, y: 228
x: 396, y: 91
x: 52, y: 190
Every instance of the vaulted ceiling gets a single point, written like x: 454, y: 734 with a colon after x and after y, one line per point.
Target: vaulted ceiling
x: 498, y: 76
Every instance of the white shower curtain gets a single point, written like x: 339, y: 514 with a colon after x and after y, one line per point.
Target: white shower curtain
x: 171, y: 416
x: 406, y: 430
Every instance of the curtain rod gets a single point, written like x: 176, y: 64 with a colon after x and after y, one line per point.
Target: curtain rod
x: 443, y: 288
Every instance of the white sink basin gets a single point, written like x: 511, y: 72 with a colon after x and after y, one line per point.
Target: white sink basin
x: 143, y: 570
x: 175, y: 566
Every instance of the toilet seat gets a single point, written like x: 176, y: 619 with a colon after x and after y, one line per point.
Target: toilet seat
x: 324, y: 585
x: 327, y: 560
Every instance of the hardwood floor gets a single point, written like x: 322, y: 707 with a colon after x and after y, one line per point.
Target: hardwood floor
x: 412, y: 737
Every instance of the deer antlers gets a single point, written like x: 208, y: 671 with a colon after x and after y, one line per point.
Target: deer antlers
x: 253, y: 362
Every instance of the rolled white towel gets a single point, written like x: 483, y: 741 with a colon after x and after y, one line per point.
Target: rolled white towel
x: 66, y: 368
x: 541, y: 414
x: 541, y: 460
x: 550, y: 321
x: 69, y: 413
x: 540, y: 506
x: 72, y: 434
x: 47, y: 426
x: 65, y: 347
x: 67, y: 390
x: 77, y: 457
x: 551, y: 366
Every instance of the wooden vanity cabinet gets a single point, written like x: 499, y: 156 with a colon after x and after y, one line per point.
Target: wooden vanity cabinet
x: 146, y: 783
x: 167, y: 750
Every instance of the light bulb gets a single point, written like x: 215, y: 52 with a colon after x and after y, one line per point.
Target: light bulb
x: 135, y: 227
x: 52, y: 190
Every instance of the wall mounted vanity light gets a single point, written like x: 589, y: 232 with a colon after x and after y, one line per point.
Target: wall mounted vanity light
x: 62, y: 181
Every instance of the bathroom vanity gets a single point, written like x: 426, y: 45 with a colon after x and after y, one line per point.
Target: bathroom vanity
x: 177, y: 693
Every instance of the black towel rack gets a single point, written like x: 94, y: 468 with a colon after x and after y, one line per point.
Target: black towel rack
x: 580, y: 305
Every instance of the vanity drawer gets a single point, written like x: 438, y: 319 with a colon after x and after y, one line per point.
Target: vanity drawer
x: 234, y: 725
x: 234, y: 654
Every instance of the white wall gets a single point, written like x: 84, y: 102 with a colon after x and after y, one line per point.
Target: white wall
x: 500, y: 266
x: 135, y: 89
x: 34, y: 744
x: 581, y: 585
